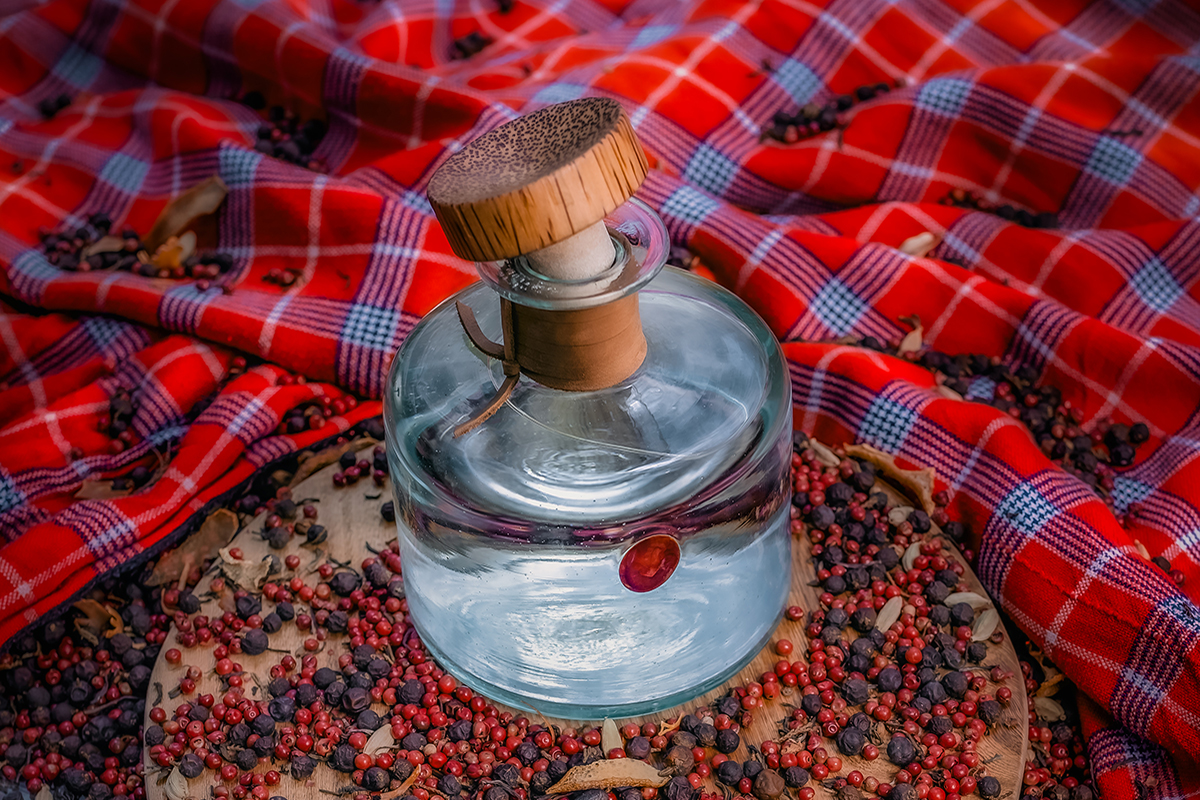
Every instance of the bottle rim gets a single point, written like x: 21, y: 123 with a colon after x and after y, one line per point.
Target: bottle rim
x: 641, y: 245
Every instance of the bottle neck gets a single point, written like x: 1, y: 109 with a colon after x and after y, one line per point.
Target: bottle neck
x: 580, y: 350
x: 576, y: 350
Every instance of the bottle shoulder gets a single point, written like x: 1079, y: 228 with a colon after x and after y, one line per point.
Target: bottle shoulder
x: 713, y: 384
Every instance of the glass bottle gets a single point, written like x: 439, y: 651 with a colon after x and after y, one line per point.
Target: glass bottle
x: 618, y: 544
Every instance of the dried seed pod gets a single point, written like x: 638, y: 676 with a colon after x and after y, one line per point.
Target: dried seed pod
x: 910, y: 555
x: 975, y: 601
x: 382, y: 739
x: 610, y: 736
x: 985, y: 625
x: 1049, y: 709
x: 919, y: 246
x: 824, y: 454
x: 609, y: 774
x: 176, y: 786
x: 889, y: 613
x: 911, y: 343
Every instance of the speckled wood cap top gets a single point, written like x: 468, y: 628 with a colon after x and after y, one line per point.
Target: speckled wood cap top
x: 538, y: 179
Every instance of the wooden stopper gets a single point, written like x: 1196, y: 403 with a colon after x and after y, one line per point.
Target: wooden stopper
x: 538, y: 179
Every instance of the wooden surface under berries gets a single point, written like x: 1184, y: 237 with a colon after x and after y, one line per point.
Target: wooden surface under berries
x: 354, y: 523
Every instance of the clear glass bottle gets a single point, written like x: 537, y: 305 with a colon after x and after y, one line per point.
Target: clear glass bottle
x: 609, y: 552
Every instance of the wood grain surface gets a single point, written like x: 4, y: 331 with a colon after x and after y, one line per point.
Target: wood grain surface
x: 352, y: 516
x: 538, y: 179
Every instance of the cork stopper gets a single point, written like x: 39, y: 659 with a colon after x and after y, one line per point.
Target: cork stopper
x: 540, y: 180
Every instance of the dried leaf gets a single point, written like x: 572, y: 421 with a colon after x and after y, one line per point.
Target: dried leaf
x: 1051, y: 684
x: 910, y: 555
x: 249, y: 575
x: 214, y: 533
x: 1049, y: 709
x: 912, y: 343
x: 824, y: 454
x: 985, y: 625
x: 920, y: 245
x: 176, y: 786
x: 918, y: 482
x: 330, y: 455
x: 889, y: 613
x: 203, y: 198
x: 381, y: 739
x: 100, y: 489
x: 975, y: 601
x: 899, y: 514
x: 610, y: 736
x: 174, y: 251
x: 99, y: 619
x: 609, y: 774
x: 105, y: 244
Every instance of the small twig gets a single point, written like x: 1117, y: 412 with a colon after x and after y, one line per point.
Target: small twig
x: 106, y: 706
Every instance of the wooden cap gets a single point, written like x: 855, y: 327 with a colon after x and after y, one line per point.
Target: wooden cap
x: 538, y: 179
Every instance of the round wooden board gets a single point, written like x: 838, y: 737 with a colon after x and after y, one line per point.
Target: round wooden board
x: 352, y: 517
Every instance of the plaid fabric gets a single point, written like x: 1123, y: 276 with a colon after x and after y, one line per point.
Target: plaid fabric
x: 1085, y: 109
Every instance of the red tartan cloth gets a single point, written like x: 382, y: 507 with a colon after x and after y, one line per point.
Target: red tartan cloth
x: 1089, y: 110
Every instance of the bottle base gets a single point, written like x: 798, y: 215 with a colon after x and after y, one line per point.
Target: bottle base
x: 576, y: 712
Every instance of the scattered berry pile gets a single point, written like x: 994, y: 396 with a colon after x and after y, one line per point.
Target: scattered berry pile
x: 52, y: 105
x: 354, y: 469
x: 815, y: 118
x: 964, y: 199
x: 312, y: 416
x: 894, y: 670
x: 72, y: 704
x: 1054, y: 423
x: 282, y: 276
x: 470, y: 44
x: 69, y: 250
x: 283, y: 136
x: 1058, y: 768
x: 116, y: 423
